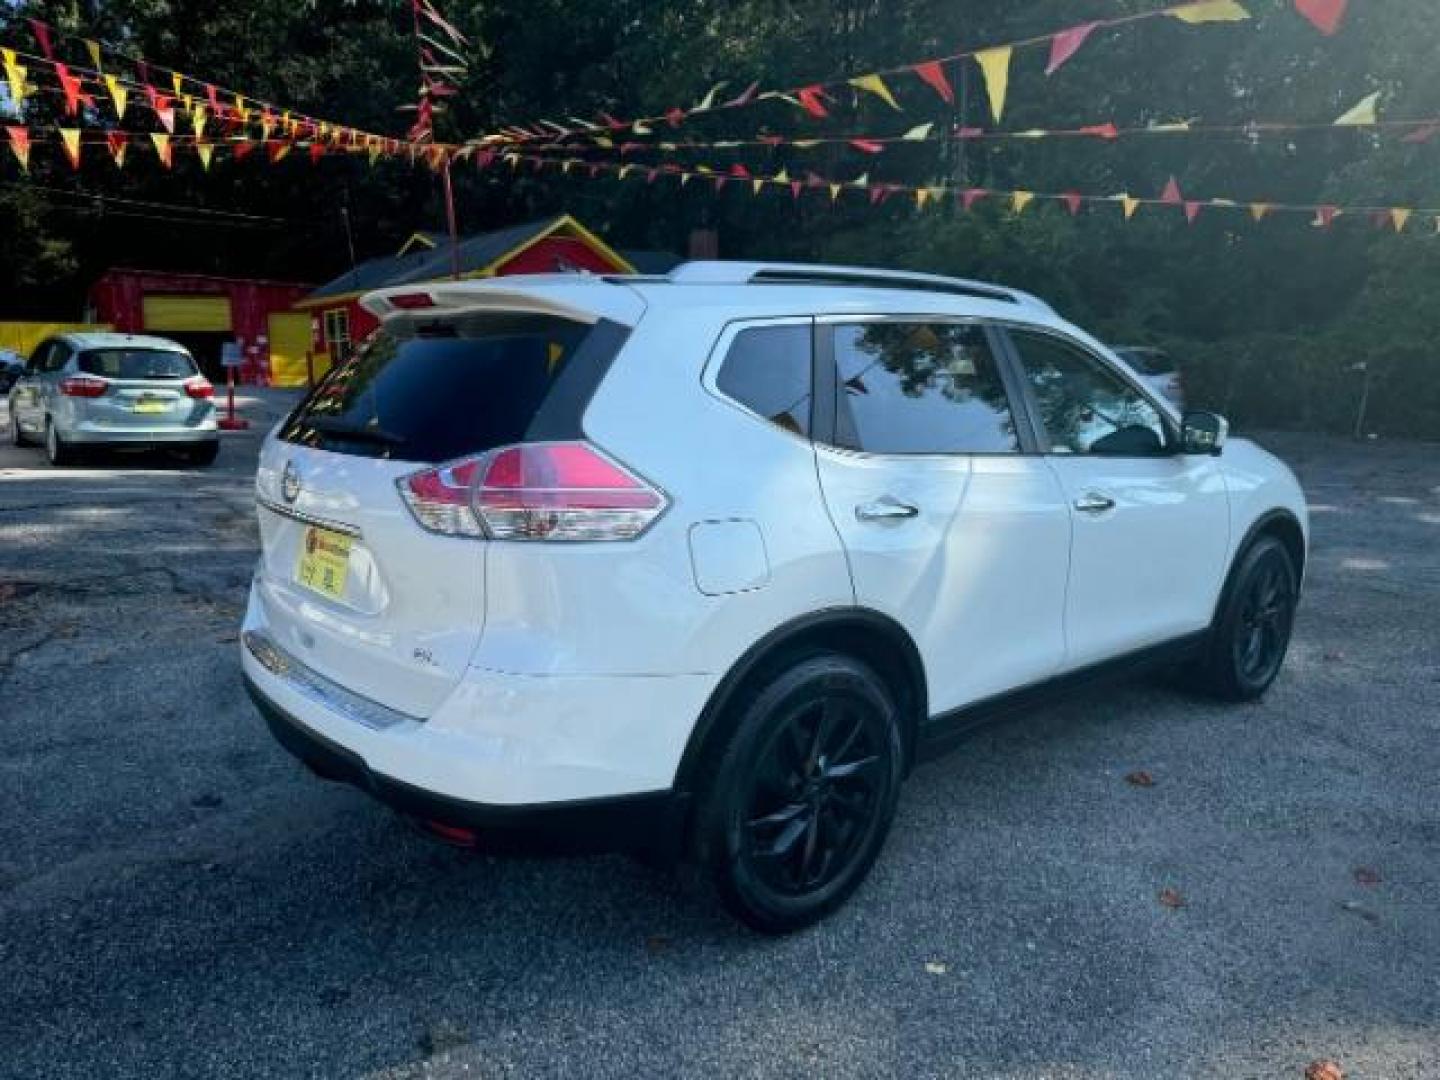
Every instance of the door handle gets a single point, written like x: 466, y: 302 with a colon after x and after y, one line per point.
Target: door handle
x: 1092, y: 502
x: 886, y: 509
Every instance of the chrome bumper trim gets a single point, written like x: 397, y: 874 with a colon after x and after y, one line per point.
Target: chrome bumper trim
x: 304, y: 518
x: 320, y: 690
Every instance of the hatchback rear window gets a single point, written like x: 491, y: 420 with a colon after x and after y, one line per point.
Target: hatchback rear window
x: 459, y: 388
x: 137, y: 364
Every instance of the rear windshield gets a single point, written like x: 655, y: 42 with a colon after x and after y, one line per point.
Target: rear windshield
x: 137, y: 364
x: 462, y: 388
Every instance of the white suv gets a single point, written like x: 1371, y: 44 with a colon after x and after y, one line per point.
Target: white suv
x: 704, y: 564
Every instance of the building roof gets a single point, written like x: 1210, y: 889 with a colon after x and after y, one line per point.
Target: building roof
x: 427, y: 257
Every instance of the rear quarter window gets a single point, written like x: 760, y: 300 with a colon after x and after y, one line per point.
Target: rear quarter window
x: 458, y: 388
x: 768, y: 371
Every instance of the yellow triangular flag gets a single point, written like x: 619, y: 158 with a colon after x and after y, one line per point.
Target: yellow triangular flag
x: 15, y: 73
x: 757, y: 184
x: 919, y: 133
x: 161, y: 140
x: 198, y: 116
x: 625, y: 170
x: 1032, y: 133
x: 1364, y: 114
x: 1129, y: 204
x: 1209, y: 11
x: 70, y: 139
x: 805, y: 144
x: 995, y: 64
x: 1259, y: 211
x: 1400, y: 217
x: 374, y: 152
x: 782, y: 177
x: 118, y: 94
x: 1019, y: 200
x: 205, y: 151
x: 876, y: 86
x: 177, y: 81
x: 93, y: 47
x: 922, y: 196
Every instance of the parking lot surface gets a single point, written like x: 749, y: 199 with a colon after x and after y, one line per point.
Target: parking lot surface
x: 178, y: 897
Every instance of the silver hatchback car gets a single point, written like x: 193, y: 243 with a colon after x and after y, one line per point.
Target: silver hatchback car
x: 83, y: 391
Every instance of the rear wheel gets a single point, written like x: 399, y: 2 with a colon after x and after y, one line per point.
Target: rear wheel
x: 17, y: 437
x: 57, y: 450
x: 803, y: 795
x: 1251, y: 634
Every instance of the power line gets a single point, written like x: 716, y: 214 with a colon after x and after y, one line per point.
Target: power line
x: 204, y: 211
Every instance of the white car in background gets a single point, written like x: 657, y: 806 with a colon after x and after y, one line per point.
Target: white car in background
x: 1156, y: 367
x: 706, y: 563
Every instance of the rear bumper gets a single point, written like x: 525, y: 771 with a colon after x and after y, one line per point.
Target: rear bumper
x: 653, y: 821
x: 103, y: 434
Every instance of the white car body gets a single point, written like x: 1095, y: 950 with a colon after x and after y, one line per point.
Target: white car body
x: 471, y: 680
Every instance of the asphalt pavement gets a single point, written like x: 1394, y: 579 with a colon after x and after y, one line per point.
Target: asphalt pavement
x: 178, y: 897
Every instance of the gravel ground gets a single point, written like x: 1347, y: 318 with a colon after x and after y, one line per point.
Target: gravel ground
x: 177, y: 897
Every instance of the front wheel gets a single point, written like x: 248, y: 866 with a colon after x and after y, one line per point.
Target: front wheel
x: 803, y: 795
x: 1251, y: 634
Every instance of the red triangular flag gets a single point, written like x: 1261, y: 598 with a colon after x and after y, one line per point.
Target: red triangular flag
x: 970, y: 196
x: 869, y: 146
x: 933, y: 74
x: 1325, y: 216
x: 118, y: 142
x: 794, y: 189
x: 1072, y: 202
x: 810, y: 101
x: 70, y: 84
x: 1423, y: 134
x: 1100, y: 131
x: 746, y: 96
x: 1171, y: 195
x: 1066, y: 44
x: 20, y: 144
x: 1192, y: 210
x: 1325, y: 14
x: 317, y: 151
x: 675, y: 115
x: 242, y: 148
x: 42, y: 35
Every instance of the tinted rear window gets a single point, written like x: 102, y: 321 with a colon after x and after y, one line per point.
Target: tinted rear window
x: 464, y: 388
x: 137, y: 364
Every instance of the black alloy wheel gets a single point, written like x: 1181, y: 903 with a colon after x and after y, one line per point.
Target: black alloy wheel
x: 805, y: 793
x: 1251, y: 635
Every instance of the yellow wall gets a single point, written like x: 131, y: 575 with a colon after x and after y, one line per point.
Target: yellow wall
x: 22, y: 337
x: 289, y: 339
x: 182, y: 314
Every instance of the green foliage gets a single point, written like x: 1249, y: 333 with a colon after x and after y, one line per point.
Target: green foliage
x: 1268, y: 319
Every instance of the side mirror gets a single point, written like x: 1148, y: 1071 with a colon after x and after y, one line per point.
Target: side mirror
x: 1203, y: 433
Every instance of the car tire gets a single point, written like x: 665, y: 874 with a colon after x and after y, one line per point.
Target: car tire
x: 803, y: 793
x: 17, y: 437
x: 57, y: 451
x: 1251, y: 635
x: 202, y: 455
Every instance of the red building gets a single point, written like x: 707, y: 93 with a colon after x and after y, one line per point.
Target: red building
x: 203, y: 313
x: 538, y: 247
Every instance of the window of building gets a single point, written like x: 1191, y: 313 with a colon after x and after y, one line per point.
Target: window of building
x: 337, y: 332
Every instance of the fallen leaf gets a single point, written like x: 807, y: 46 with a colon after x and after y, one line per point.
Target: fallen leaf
x: 935, y: 967
x: 1171, y: 899
x: 1140, y: 778
x: 1324, y: 1070
x: 1366, y: 875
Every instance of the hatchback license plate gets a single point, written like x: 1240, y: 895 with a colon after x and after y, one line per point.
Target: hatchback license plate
x: 151, y: 405
x: 324, y: 562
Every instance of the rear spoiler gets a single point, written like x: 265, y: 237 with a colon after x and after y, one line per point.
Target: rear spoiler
x: 577, y: 298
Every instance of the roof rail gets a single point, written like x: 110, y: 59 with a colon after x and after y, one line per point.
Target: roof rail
x: 754, y: 273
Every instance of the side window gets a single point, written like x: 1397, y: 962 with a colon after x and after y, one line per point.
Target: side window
x: 920, y: 388
x: 59, y: 356
x: 38, y: 358
x: 1085, y: 407
x: 768, y: 371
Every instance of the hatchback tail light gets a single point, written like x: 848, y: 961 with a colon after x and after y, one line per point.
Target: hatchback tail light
x: 87, y: 386
x: 199, y: 387
x: 567, y: 491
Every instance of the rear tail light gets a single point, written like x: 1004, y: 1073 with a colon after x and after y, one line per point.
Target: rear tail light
x: 538, y: 491
x: 199, y: 387
x: 412, y: 301
x: 87, y: 386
